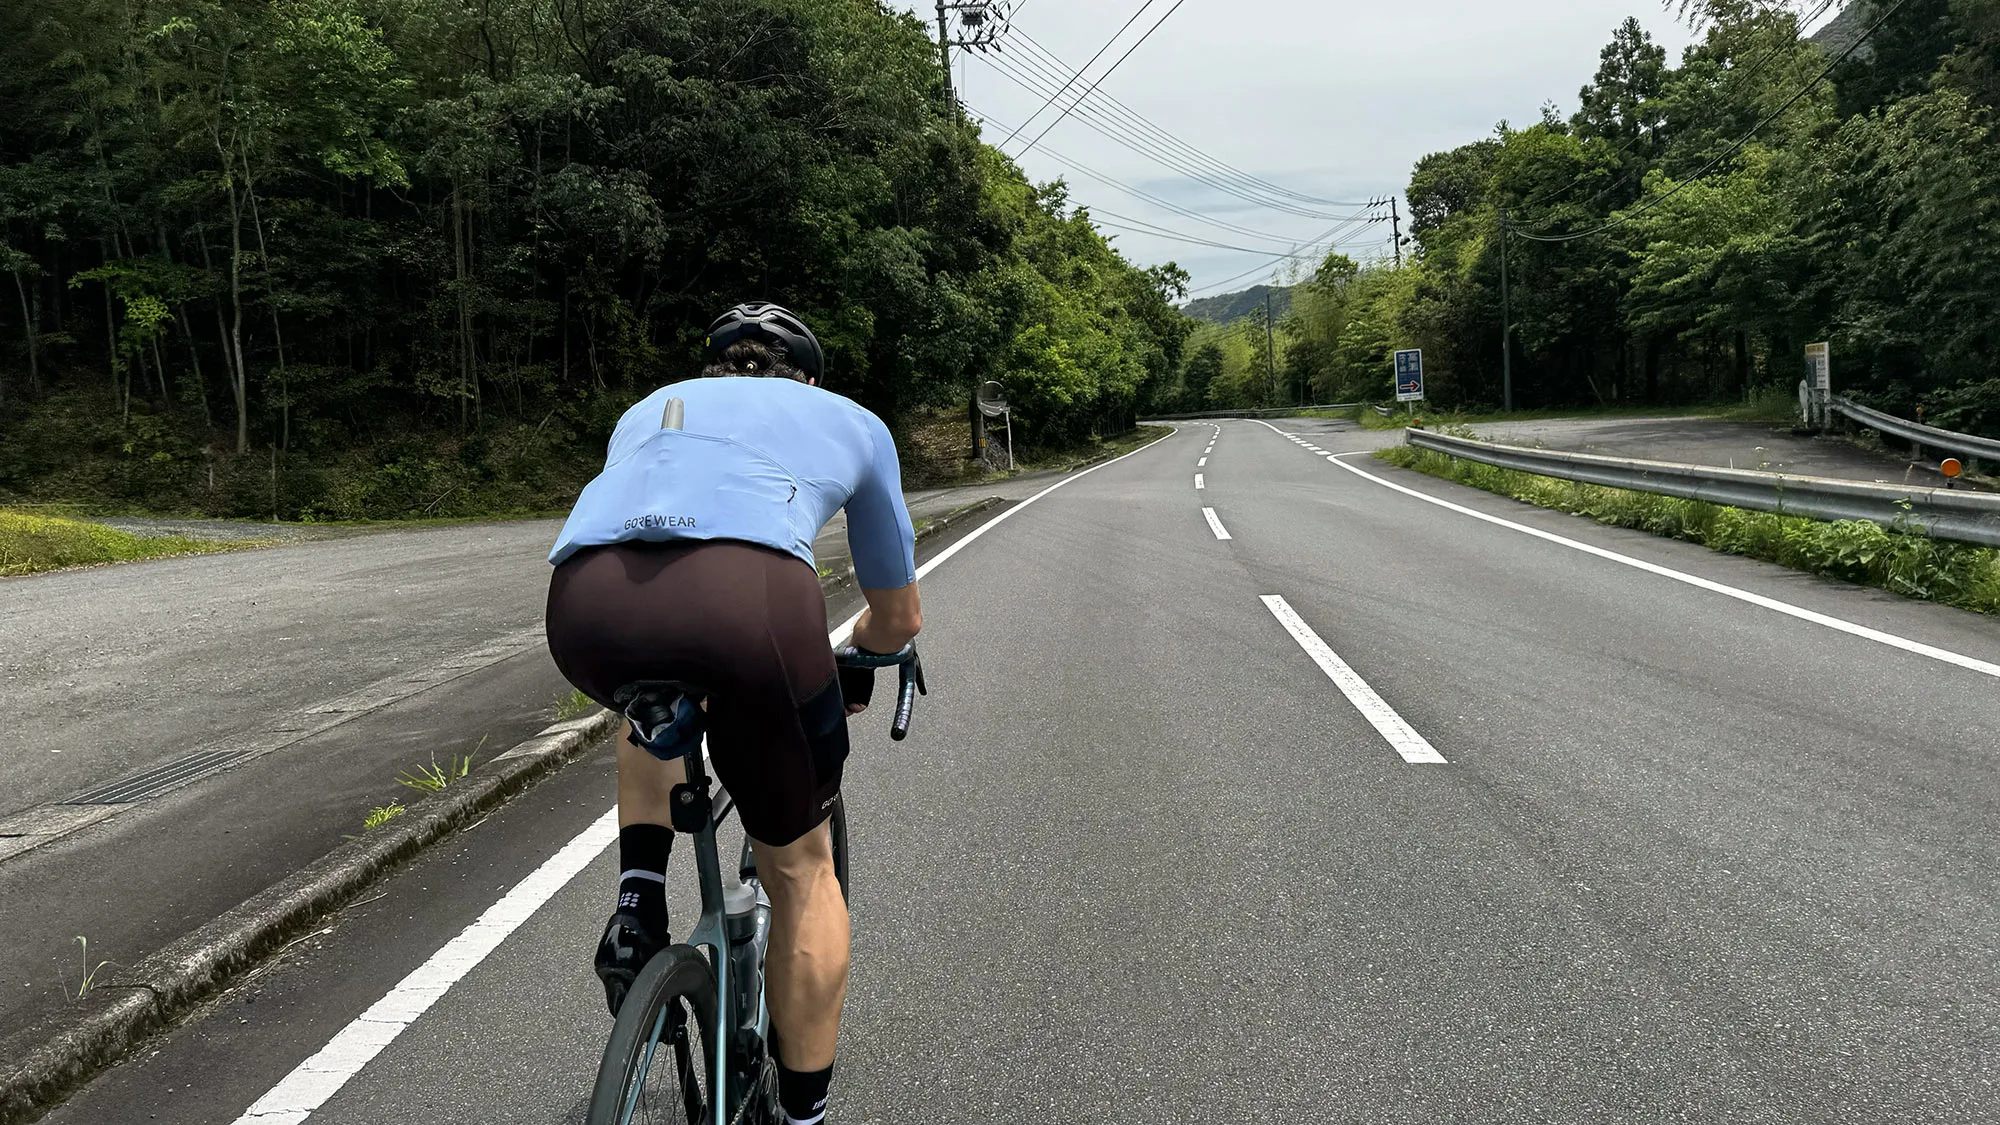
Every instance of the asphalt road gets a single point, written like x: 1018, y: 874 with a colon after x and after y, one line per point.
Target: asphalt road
x: 1689, y: 857
x: 275, y: 696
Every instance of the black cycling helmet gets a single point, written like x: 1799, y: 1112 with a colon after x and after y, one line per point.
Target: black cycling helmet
x: 769, y: 324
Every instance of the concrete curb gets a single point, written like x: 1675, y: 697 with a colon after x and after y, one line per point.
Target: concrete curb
x: 54, y: 1060
x: 57, y: 1056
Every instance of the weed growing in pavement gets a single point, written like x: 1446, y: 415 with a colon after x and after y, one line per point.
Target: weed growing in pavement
x: 573, y: 705
x: 90, y: 971
x: 1897, y: 559
x: 432, y: 777
x: 381, y: 815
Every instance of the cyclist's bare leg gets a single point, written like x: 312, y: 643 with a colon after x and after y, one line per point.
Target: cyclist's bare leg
x: 646, y: 786
x: 806, y: 965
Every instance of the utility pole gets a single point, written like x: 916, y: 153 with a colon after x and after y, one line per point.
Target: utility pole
x: 1506, y: 323
x: 981, y: 24
x: 944, y: 56
x: 1396, y: 227
x: 1270, y: 348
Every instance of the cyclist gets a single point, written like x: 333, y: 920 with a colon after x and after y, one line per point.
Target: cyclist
x: 690, y: 558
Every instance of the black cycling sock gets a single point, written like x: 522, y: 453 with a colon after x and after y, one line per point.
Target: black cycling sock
x: 803, y: 1095
x: 642, y: 873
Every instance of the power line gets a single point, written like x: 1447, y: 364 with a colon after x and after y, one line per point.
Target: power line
x: 1131, y: 116
x: 1137, y: 193
x: 1079, y: 74
x: 1283, y: 239
x: 1025, y: 76
x: 1158, y: 233
x: 1321, y: 243
x: 1726, y: 153
x: 1100, y: 78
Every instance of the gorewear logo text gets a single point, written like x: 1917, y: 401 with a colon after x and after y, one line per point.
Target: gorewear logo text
x: 637, y: 523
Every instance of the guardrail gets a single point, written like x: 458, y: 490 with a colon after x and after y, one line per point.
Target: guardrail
x: 1968, y: 517
x: 1916, y: 433
x: 1385, y: 411
x: 1271, y: 412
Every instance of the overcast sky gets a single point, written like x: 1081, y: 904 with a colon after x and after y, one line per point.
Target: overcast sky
x: 1330, y: 99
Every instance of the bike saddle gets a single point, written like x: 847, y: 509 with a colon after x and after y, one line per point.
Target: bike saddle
x: 666, y: 716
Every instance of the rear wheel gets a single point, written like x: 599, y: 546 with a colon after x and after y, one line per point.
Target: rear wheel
x: 658, y: 1064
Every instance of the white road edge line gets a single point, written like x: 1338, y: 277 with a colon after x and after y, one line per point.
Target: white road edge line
x: 1943, y: 655
x: 1198, y: 482
x: 1401, y: 737
x: 1215, y: 523
x: 320, y: 1077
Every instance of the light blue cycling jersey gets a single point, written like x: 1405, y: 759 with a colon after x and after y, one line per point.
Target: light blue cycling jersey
x: 765, y: 461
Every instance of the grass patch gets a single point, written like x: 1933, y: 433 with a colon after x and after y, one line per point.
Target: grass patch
x: 381, y: 815
x: 1860, y: 551
x: 433, y: 778
x: 573, y: 705
x: 31, y: 543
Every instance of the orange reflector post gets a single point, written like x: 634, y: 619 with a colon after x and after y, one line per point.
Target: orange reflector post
x: 1951, y: 467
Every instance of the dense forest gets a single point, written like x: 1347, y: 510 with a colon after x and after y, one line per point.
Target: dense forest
x: 385, y: 258
x: 1652, y: 258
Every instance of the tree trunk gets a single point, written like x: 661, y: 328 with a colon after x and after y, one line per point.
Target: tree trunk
x: 28, y: 319
x: 270, y: 298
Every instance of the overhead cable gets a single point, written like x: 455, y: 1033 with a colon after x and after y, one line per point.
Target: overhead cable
x: 1100, y: 78
x: 1036, y: 82
x: 1126, y: 113
x: 1137, y: 193
x: 1079, y: 74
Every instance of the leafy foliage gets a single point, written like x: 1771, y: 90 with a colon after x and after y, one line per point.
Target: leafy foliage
x: 1866, y: 214
x: 405, y: 257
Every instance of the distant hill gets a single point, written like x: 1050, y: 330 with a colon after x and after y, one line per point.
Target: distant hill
x: 1843, y: 29
x: 1232, y: 307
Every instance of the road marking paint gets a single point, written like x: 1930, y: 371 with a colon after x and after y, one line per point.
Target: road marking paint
x: 1202, y: 464
x: 313, y: 1081
x: 1841, y: 625
x: 1215, y: 524
x: 1400, y: 735
x: 317, y: 1079
x: 1198, y: 483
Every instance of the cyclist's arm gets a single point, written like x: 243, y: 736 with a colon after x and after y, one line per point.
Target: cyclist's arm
x: 883, y: 544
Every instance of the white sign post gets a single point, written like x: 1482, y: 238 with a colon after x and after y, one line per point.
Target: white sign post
x: 1819, y: 376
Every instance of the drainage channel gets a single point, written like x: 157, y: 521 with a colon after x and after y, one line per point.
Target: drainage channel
x: 159, y: 779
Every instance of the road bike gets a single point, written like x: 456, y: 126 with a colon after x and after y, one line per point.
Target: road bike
x: 691, y: 1043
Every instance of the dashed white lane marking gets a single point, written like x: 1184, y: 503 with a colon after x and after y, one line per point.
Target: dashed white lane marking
x: 1203, y: 463
x: 1918, y: 648
x: 1400, y: 735
x: 317, y: 1079
x: 1198, y: 482
x: 1215, y: 523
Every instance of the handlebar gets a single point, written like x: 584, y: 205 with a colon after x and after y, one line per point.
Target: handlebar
x: 909, y: 686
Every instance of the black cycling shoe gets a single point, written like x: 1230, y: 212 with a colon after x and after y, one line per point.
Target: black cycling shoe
x: 624, y: 949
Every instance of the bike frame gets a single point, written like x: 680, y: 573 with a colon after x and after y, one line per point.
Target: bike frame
x: 695, y: 814
x: 711, y: 932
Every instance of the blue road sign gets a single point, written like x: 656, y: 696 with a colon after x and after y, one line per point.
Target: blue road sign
x: 1410, y: 375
